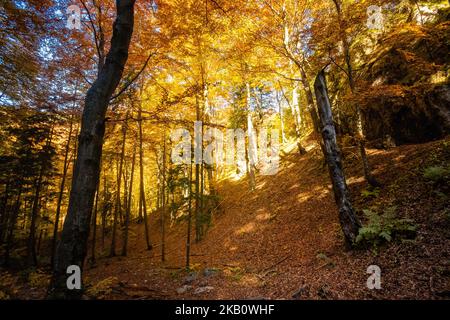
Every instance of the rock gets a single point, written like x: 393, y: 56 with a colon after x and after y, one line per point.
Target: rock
x: 184, y: 289
x: 209, y: 272
x: 190, y: 278
x: 203, y: 289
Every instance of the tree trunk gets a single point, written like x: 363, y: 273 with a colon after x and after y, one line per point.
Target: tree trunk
x: 163, y: 211
x: 252, y: 151
x: 72, y: 248
x: 104, y: 207
x: 4, y: 213
x: 31, y: 243
x: 118, y: 206
x: 347, y: 217
x: 128, y: 209
x: 12, y: 225
x: 188, y: 239
x: 61, y: 193
x: 198, y: 150
x: 94, y: 226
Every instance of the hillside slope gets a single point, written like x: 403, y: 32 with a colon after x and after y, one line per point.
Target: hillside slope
x: 283, y: 240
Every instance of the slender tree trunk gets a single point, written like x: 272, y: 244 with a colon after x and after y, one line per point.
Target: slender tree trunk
x: 347, y: 217
x: 252, y: 151
x: 94, y: 225
x: 127, y: 215
x: 104, y: 207
x: 72, y: 248
x: 189, y: 224
x: 31, y: 244
x: 125, y: 193
x: 141, y: 167
x: 12, y: 226
x: 61, y: 193
x: 118, y: 206
x: 142, y: 201
x: 163, y: 211
x: 199, y: 147
x: 4, y: 213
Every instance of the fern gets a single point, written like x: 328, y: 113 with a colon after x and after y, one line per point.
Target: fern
x: 436, y: 173
x: 384, y: 228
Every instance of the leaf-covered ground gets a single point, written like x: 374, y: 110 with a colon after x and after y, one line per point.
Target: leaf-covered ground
x: 283, y: 240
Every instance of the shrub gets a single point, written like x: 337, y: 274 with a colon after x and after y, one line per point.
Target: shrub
x: 384, y: 228
x: 436, y: 173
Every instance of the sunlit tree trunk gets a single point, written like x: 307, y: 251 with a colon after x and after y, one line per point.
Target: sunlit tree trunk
x: 94, y: 225
x: 128, y: 209
x: 349, y: 221
x: 199, y: 147
x: 118, y: 206
x: 163, y: 199
x: 252, y: 152
x: 142, y: 201
x: 189, y: 224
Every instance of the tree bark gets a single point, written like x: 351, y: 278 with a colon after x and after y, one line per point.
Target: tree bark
x: 72, y: 248
x: 349, y: 221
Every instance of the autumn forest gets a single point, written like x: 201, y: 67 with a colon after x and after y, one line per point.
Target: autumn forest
x: 218, y: 149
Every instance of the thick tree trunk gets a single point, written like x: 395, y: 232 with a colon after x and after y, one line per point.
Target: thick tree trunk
x: 72, y: 248
x: 347, y: 217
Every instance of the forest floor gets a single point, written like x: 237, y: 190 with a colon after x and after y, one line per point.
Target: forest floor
x: 283, y: 240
